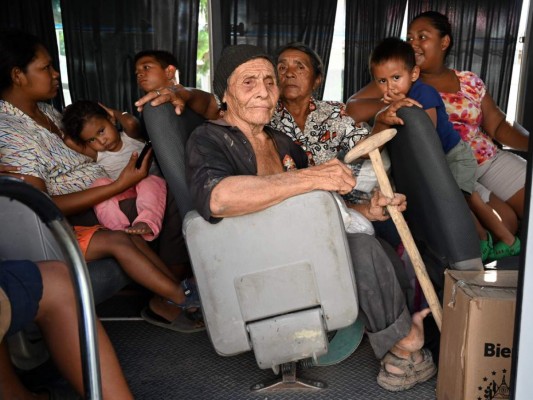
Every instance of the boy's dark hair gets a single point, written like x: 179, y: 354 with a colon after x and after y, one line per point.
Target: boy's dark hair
x: 393, y: 48
x: 164, y: 58
x: 77, y: 114
x: 440, y: 22
x: 18, y: 49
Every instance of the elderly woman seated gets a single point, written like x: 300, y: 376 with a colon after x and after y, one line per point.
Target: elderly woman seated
x: 239, y: 164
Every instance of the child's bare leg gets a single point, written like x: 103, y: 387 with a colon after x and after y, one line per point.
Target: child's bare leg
x: 516, y: 202
x: 176, y: 272
x: 506, y: 213
x: 152, y: 256
x: 135, y: 263
x: 58, y: 320
x: 139, y: 228
x: 10, y: 385
x: 158, y: 305
x: 480, y: 229
x: 490, y: 219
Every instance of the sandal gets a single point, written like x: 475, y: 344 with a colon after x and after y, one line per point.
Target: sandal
x: 192, y: 298
x: 186, y: 322
x: 502, y: 250
x: 413, y: 373
x: 487, y: 248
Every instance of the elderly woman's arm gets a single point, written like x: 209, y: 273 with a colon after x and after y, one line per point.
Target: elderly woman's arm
x: 497, y: 127
x: 244, y: 194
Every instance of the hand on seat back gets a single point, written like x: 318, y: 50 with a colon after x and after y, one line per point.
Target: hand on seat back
x: 177, y: 95
x: 332, y: 175
x: 388, y: 114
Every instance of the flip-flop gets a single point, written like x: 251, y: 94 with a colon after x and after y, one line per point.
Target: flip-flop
x: 183, y: 323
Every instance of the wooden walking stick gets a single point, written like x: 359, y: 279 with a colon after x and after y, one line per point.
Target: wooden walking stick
x: 371, y: 146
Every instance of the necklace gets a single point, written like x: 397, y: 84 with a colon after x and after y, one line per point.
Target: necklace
x: 51, y: 125
x: 48, y: 121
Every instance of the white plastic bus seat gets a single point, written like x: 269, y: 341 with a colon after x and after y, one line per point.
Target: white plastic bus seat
x: 274, y: 281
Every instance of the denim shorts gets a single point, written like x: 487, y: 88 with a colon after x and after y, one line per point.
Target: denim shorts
x: 23, y: 285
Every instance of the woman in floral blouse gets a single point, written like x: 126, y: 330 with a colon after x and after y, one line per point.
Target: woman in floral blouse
x: 323, y: 128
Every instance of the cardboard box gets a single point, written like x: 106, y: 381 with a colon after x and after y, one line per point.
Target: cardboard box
x: 477, y: 335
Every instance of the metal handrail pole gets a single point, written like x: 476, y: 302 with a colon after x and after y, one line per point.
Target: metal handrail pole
x: 64, y: 235
x: 50, y: 214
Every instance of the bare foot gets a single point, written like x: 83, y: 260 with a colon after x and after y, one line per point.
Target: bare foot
x: 415, y: 338
x: 409, y: 347
x: 165, y: 310
x: 140, y: 228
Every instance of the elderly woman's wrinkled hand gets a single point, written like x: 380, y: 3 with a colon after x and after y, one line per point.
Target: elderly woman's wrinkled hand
x: 388, y: 114
x: 172, y: 94
x: 377, y: 207
x: 333, y: 176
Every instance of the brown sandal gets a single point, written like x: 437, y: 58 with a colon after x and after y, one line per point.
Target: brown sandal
x: 413, y: 373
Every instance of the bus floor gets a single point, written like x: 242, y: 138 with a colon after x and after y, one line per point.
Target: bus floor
x: 162, y: 364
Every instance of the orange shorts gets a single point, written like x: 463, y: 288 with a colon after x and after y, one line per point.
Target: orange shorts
x: 84, y: 234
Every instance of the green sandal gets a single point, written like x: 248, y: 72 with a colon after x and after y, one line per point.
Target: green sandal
x: 487, y: 250
x: 502, y: 250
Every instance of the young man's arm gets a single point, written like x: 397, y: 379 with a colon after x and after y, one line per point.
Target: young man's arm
x: 199, y: 101
x: 363, y: 105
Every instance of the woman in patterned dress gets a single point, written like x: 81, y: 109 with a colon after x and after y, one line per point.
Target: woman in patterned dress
x: 31, y: 136
x: 32, y: 140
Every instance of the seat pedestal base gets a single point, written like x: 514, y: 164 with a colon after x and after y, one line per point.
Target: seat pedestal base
x: 288, y: 381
